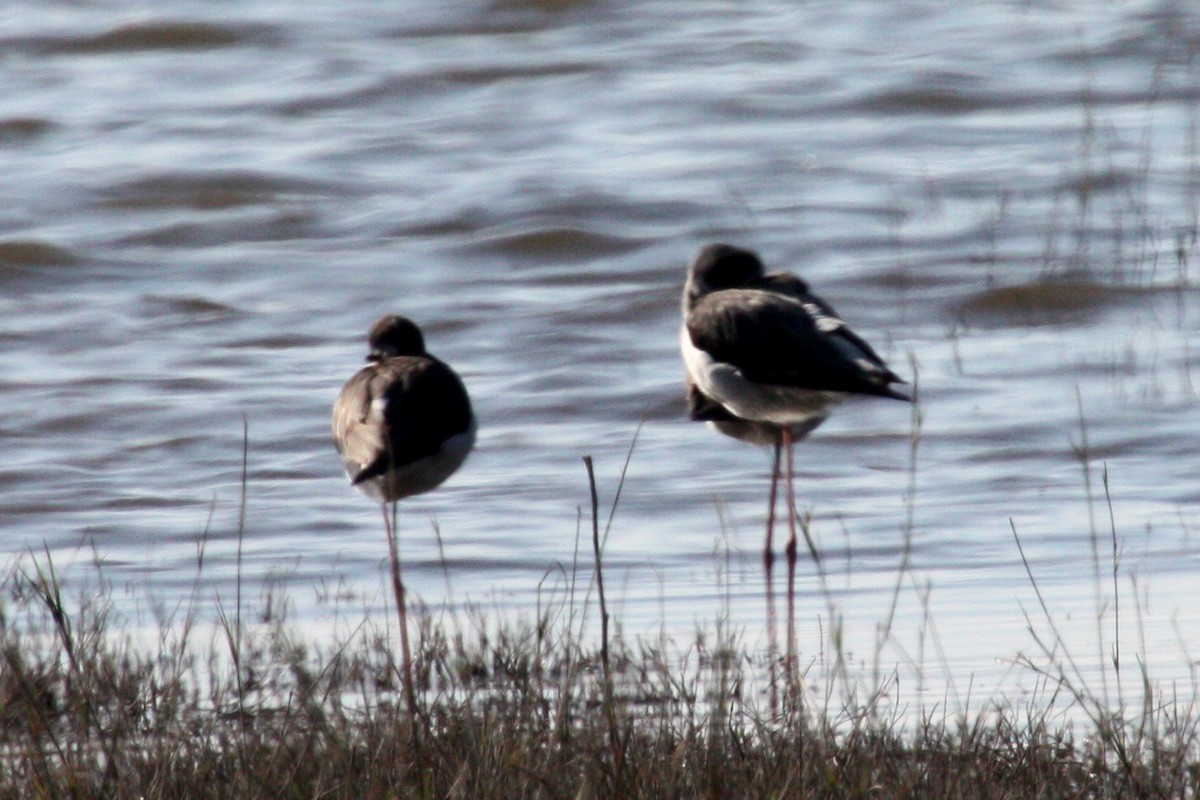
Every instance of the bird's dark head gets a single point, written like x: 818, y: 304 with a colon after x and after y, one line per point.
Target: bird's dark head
x: 722, y: 266
x: 393, y: 335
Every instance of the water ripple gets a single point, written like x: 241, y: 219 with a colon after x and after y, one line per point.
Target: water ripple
x: 152, y: 35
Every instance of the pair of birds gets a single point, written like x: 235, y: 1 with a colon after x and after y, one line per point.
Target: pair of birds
x: 766, y: 362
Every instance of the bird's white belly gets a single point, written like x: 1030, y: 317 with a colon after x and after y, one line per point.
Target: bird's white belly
x: 760, y: 402
x: 420, y: 476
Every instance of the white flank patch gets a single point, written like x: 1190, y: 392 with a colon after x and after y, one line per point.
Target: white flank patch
x: 825, y: 323
x: 379, y: 408
x: 724, y: 383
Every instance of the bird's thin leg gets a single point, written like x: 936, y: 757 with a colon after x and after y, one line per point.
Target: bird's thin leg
x: 790, y: 553
x: 768, y: 563
x: 406, y: 678
x: 768, y: 548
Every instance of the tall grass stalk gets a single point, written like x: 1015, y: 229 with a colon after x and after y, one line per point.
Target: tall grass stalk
x: 903, y: 572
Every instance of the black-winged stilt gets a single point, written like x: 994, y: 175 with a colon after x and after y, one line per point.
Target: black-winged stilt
x: 402, y: 424
x: 767, y: 360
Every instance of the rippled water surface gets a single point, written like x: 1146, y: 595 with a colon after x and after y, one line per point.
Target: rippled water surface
x: 204, y: 206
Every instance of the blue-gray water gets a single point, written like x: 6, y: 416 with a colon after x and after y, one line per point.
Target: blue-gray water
x: 204, y: 206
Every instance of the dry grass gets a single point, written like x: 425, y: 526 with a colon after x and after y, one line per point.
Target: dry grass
x: 504, y: 710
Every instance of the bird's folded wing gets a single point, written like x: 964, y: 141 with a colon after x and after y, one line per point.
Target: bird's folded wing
x: 784, y: 341
x: 412, y: 406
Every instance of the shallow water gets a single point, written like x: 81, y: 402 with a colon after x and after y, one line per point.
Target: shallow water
x: 202, y: 210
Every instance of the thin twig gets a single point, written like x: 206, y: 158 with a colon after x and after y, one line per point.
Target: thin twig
x: 1084, y: 453
x: 884, y: 629
x: 587, y: 460
x: 1112, y: 522
x: 613, y: 736
x: 612, y: 511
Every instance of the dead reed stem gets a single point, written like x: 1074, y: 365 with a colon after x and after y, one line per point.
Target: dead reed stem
x: 606, y: 666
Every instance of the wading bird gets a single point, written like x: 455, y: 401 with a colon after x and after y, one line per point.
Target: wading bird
x: 767, y: 360
x: 402, y: 424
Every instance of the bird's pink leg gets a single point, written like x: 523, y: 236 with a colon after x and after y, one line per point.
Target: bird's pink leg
x: 398, y: 591
x: 768, y: 563
x: 790, y: 553
x: 768, y: 548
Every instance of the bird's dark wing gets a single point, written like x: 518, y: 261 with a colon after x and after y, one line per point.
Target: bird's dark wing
x: 424, y: 404
x: 786, y: 283
x: 781, y: 340
x: 791, y: 285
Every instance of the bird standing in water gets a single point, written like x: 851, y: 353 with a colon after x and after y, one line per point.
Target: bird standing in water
x: 402, y: 424
x: 767, y: 360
